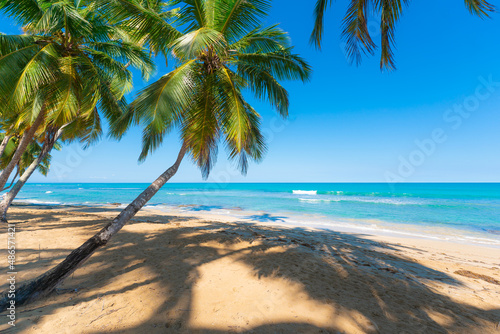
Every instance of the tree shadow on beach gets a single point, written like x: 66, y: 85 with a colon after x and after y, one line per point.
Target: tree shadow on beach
x: 356, y: 277
x: 266, y: 217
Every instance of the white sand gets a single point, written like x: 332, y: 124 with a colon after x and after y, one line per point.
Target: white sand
x: 182, y: 274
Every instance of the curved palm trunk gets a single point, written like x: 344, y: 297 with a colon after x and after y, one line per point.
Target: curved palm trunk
x: 23, y: 144
x: 46, y: 283
x: 4, y: 143
x: 9, y: 197
x: 13, y: 179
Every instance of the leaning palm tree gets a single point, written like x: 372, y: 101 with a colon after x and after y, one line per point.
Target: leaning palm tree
x: 355, y: 26
x: 221, y: 53
x: 85, y: 130
x: 29, y: 156
x: 69, y: 63
x: 32, y: 153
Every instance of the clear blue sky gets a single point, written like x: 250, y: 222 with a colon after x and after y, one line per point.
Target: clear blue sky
x: 352, y: 124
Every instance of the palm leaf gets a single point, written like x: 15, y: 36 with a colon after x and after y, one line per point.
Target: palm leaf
x: 282, y: 65
x: 265, y: 86
x: 269, y: 39
x: 235, y: 17
x: 319, y: 12
x: 191, y: 45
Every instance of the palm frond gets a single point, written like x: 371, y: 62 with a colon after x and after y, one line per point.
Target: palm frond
x: 37, y: 70
x: 270, y: 39
x: 192, y: 14
x: 265, y: 86
x: 200, y: 129
x: 234, y: 117
x: 355, y: 30
x: 12, y: 43
x: 191, y: 45
x: 159, y: 106
x: 319, y: 13
x: 23, y: 11
x: 282, y: 65
x: 59, y: 16
x: 125, y: 53
x: 481, y: 8
x: 254, y: 148
x: 233, y: 18
x: 142, y: 24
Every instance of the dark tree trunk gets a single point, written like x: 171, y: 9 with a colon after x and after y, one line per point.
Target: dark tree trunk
x: 21, y: 147
x: 46, y: 283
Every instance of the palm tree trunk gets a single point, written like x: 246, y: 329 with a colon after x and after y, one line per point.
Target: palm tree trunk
x: 23, y: 144
x: 13, y: 179
x: 46, y: 148
x: 47, y: 282
x: 4, y: 143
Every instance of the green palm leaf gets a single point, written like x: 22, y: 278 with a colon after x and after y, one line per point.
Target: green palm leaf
x: 221, y: 52
x: 358, y: 41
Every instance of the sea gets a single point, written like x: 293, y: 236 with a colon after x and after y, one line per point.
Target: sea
x: 463, y: 212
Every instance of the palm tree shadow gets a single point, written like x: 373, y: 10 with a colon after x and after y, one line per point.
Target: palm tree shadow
x: 266, y: 217
x: 353, y: 275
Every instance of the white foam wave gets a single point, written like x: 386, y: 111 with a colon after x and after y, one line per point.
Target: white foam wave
x: 305, y: 192
x: 392, y: 201
x: 48, y: 192
x: 34, y: 201
x: 317, y: 200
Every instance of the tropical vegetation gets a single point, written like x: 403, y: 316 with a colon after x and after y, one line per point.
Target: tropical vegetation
x: 220, y: 50
x: 69, y: 67
x: 356, y: 35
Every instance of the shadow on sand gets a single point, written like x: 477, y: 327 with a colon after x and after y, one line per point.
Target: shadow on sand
x: 266, y: 218
x: 328, y: 260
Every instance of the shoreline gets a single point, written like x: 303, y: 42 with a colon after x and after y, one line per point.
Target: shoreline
x: 196, y: 274
x: 373, y: 228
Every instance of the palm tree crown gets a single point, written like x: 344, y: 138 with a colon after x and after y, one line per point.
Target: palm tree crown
x: 220, y: 50
x: 69, y: 63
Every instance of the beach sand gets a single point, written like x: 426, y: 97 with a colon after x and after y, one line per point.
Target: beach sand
x: 204, y: 274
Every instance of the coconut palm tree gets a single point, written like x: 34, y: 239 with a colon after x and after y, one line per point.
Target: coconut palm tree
x: 69, y: 63
x: 355, y: 26
x: 32, y: 152
x: 84, y: 129
x: 220, y: 51
x: 5, y: 141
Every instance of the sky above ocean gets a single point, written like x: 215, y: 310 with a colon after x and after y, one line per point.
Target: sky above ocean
x: 436, y: 118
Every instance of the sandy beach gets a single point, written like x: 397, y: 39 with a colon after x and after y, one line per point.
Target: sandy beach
x: 195, y: 273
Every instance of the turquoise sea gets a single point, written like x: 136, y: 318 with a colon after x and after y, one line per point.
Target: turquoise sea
x: 468, y: 212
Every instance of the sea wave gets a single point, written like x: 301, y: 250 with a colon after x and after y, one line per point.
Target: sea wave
x: 48, y: 192
x: 305, y: 192
x: 391, y: 201
x: 317, y: 200
x: 365, y: 194
x: 35, y: 201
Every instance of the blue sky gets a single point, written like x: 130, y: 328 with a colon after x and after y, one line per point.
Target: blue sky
x: 435, y: 119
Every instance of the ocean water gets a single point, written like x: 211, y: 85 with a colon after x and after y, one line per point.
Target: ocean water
x: 458, y: 211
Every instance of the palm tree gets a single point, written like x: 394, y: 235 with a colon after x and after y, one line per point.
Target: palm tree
x: 83, y: 129
x: 32, y: 152
x: 355, y: 26
x: 69, y: 63
x: 221, y: 52
x: 5, y: 141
